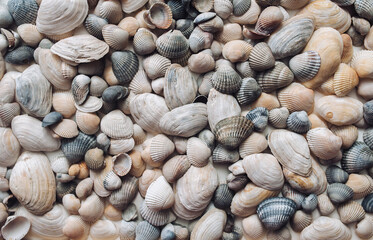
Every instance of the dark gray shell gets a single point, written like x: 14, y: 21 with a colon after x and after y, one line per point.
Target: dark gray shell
x: 185, y: 26
x: 339, y: 193
x: 63, y: 189
x: 240, y: 7
x: 277, y: 77
x: 122, y: 197
x: 52, y: 118
x: 144, y: 42
x: 223, y: 196
x: 368, y: 203
x: 75, y: 148
x: 310, y: 203
x: 94, y: 24
x: 238, y: 182
x: 259, y: 116
x: 20, y: 55
x: 23, y: 11
x: 6, y: 18
x: 335, y: 174
x: 208, y: 138
x: 275, y: 212
x: 266, y: 3
x: 291, y: 193
x: 364, y: 8
x: 204, y: 17
x: 177, y: 9
x: 343, y: 3
x: 368, y: 112
x: 368, y: 137
x: 261, y: 57
x: 226, y: 80
x: 298, y: 122
x: 125, y: 65
x: 357, y: 158
x: 223, y: 155
x: 172, y: 44
x: 146, y: 231
x: 249, y: 91
x: 114, y: 94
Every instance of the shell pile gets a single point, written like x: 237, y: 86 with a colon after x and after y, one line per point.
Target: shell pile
x: 186, y: 119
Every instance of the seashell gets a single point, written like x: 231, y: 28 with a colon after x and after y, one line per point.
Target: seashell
x: 360, y: 184
x: 156, y: 218
x: 261, y: 57
x: 249, y: 91
x: 113, y: 94
x: 88, y: 123
x: 94, y: 25
x: 223, y: 197
x: 38, y: 200
x: 7, y: 87
x: 199, y: 40
x: 226, y: 80
x: 237, y: 168
x: 156, y: 66
x: 335, y: 174
x: 270, y: 18
x: 364, y: 228
x: 237, y: 183
x: 343, y: 3
x: 71, y: 203
x: 339, y: 193
x: 130, y: 213
x: 224, y: 8
x: 51, y: 119
x: 255, y: 143
x: 122, y: 197
x: 293, y: 4
x: 350, y: 212
x: 211, y: 25
x: 32, y: 136
x: 348, y: 134
x: 237, y: 51
x: 201, y: 63
x: 23, y: 11
x: 129, y: 24
x: 275, y: 212
x: 111, y: 181
x: 146, y: 231
x: 84, y: 188
x: 103, y: 229
x: 249, y: 17
x: 94, y: 158
x: 325, y: 206
x: 296, y: 97
x: 168, y: 232
x: 300, y: 220
x: 113, y: 124
x: 328, y: 108
x: 175, y: 168
x: 361, y: 25
x: 79, y: 170
x: 20, y: 55
x: 63, y: 188
x: 357, y: 158
x: 144, y: 42
x: 58, y: 161
x: 37, y: 101
x: 66, y: 128
x: 122, y: 164
x: 292, y: 39
x: 210, y: 226
x: 114, y: 36
x: 277, y: 117
x: 138, y: 165
x: 80, y: 88
x: 15, y: 227
x: 203, y: 5
x: 78, y: 49
x: 325, y: 227
x: 160, y: 15
x: 364, y: 8
x: 75, y: 227
x: 124, y: 58
x: 92, y: 104
x: 296, y: 158
x: 185, y: 26
x: 367, y: 203
x: 367, y: 112
x: 147, y: 178
x: 110, y: 10
x: 129, y: 6
x: 252, y: 227
x: 361, y: 63
x: 245, y: 70
x: 177, y: 9
x: 327, y: 87
x: 6, y: 17
x: 348, y: 50
x: 223, y: 155
x: 323, y: 143
x: 198, y: 152
x: 270, y: 179
x: 157, y: 149
x: 159, y: 195
x: 281, y: 234
x: 345, y: 80
x: 172, y: 44
x: 92, y: 208
x: 140, y: 83
x: 75, y: 148
x: 310, y: 203
x: 316, y: 121
x: 240, y: 7
x: 10, y: 147
x: 277, y: 77
x: 259, y: 117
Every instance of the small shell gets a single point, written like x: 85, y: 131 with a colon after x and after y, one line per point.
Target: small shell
x: 278, y: 117
x: 339, y: 193
x: 223, y: 197
x: 261, y: 57
x: 52, y: 118
x: 226, y: 80
x: 157, y: 149
x: 117, y: 125
x: 75, y: 148
x: 345, y: 80
x: 115, y: 37
x: 94, y: 25
x: 323, y: 143
x: 94, y: 158
x: 203, y: 5
x: 160, y: 15
x: 122, y: 197
x: 348, y: 50
x: 84, y: 188
x: 199, y: 40
x: 20, y: 55
x: 259, y: 117
x: 185, y: 26
x: 249, y: 91
x: 361, y: 62
x: 110, y: 10
x: 201, y: 63
x: 140, y: 83
x: 88, y: 123
x: 210, y: 226
x: 178, y: 9
x: 277, y: 77
x: 361, y: 25
x: 326, y: 228
x: 364, y: 9
x: 348, y: 134
x: 175, y: 168
x: 223, y: 155
x: 361, y: 184
x: 66, y: 128
x: 237, y: 51
x: 159, y: 195
x: 357, y: 158
x: 367, y: 203
x: 300, y: 221
x: 125, y: 65
x: 71, y: 203
x: 144, y: 42
x: 198, y: 152
x: 122, y: 164
x: 310, y: 203
x: 293, y: 194
x: 335, y: 174
x: 325, y: 206
x: 350, y: 212
x: 146, y: 231
x: 269, y: 19
x: 15, y: 227
x: 111, y: 181
x: 156, y: 66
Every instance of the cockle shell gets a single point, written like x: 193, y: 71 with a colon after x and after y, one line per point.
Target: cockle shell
x: 364, y: 228
x: 159, y: 195
x: 23, y: 11
x: 298, y: 122
x: 249, y: 17
x: 348, y: 134
x: 59, y: 17
x: 237, y: 51
x: 277, y: 77
x: 129, y: 24
x: 201, y: 63
x: 296, y: 97
x: 296, y: 158
x: 172, y: 44
x: 361, y: 184
x: 339, y: 111
x: 140, y: 83
x: 335, y: 174
x: 117, y: 125
x: 92, y: 208
x: 156, y: 218
x: 255, y: 143
x: 157, y: 149
x: 364, y: 9
x: 339, y: 193
x: 348, y: 50
x: 230, y: 32
x: 305, y: 66
x: 210, y: 226
x: 110, y: 10
x: 323, y: 143
x: 175, y: 168
x: 224, y: 155
x: 63, y: 102
x: 159, y: 15
x: 146, y: 231
x: 156, y: 66
x: 122, y: 197
x: 277, y: 117
x: 66, y: 128
x: 88, y: 123
x: 79, y: 49
x: 32, y: 182
x: 362, y: 63
x: 198, y: 152
x: 147, y: 178
x: 345, y: 80
x: 144, y: 41
x: 249, y: 91
x: 300, y: 220
x: 15, y: 227
x: 75, y: 228
x: 94, y: 25
x: 32, y: 136
x: 10, y: 147
x: 129, y: 6
x: 37, y: 99
x: 350, y: 212
x: 115, y: 37
x: 310, y: 203
x: 103, y: 229
x: 75, y: 148
x: 291, y: 193
x: 326, y: 228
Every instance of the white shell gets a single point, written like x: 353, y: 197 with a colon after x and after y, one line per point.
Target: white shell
x: 159, y: 195
x: 326, y: 228
x: 210, y: 225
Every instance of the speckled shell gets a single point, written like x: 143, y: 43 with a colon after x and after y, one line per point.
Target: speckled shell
x: 32, y: 182
x: 305, y: 66
x: 24, y: 11
x: 59, y: 17
x: 323, y: 143
x: 10, y: 147
x: 326, y: 228
x: 210, y: 226
x: 277, y: 77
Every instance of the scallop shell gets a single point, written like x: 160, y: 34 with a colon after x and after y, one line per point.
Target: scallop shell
x: 350, y: 212
x: 78, y: 49
x: 326, y: 228
x: 125, y: 65
x: 325, y: 206
x: 115, y: 37
x: 357, y: 158
x: 37, y: 99
x: 345, y: 80
x: 110, y: 10
x: 361, y: 184
x: 210, y: 226
x: 277, y: 77
x: 300, y: 220
x: 323, y: 143
x: 339, y: 193
x: 75, y: 228
x: 156, y: 66
x: 146, y: 231
x: 24, y: 11
x: 122, y: 197
x: 68, y: 18
x: 32, y: 136
x: 335, y: 174
x: 364, y: 9
x: 15, y: 227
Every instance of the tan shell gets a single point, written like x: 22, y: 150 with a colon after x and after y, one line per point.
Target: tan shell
x: 201, y: 63
x: 132, y: 6
x: 98, y: 177
x: 75, y: 228
x: 139, y: 134
x: 249, y: 17
x: 159, y: 195
x: 71, y: 203
x: 368, y: 41
x: 88, y: 123
x: 198, y: 152
x: 210, y: 225
x: 362, y: 63
x: 365, y: 89
x: 32, y: 136
x: 103, y: 229
x: 296, y: 97
x: 92, y: 104
x: 140, y: 83
x: 84, y: 188
x: 266, y: 100
x: 293, y: 4
x: 348, y: 134
x: 244, y: 202
x: 327, y: 87
x: 30, y: 34
x: 110, y: 10
x: 112, y: 213
x: 115, y: 37
x: 264, y: 171
x: 92, y: 208
x: 8, y: 86
x: 300, y: 220
x: 156, y: 66
x: 348, y: 50
x: 79, y: 49
x: 350, y: 212
x: 316, y: 121
x: 116, y: 124
x: 324, y: 205
x: 345, y: 80
x: 339, y: 111
x: 2, y: 66
x: 230, y: 32
x: 364, y: 228
x: 361, y: 184
x: 130, y: 24
x: 175, y: 168
x: 66, y: 128
x: 63, y: 102
x: 237, y: 51
x: 59, y: 17
x: 255, y: 143
x: 252, y: 227
x: 326, y: 228
x: 147, y: 178
x: 9, y: 148
x: 323, y: 143
x: 291, y: 150
x: 32, y: 182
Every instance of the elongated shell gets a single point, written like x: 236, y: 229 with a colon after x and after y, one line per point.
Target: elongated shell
x: 326, y: 228
x: 210, y: 226
x: 324, y: 205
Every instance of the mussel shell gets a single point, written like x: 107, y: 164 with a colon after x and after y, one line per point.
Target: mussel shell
x: 52, y: 118
x: 125, y: 65
x: 75, y: 148
x: 23, y: 11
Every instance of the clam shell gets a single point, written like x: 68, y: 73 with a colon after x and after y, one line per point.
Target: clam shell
x: 92, y: 104
x: 84, y: 188
x: 113, y: 124
x: 103, y: 229
x: 21, y: 55
x: 223, y: 8
x: 10, y: 147
x: 223, y: 155
x: 80, y: 88
x: 15, y: 227
x: 66, y: 128
x: 210, y: 226
x: 113, y: 94
x: 88, y: 123
x: 94, y: 158
x: 249, y: 91
x: 348, y: 134
x: 144, y: 42
x: 58, y: 161
x: 34, y: 190
x: 129, y: 24
x: 71, y: 203
x: 37, y: 99
x: 249, y: 17
x: 157, y: 149
x: 139, y: 134
x: 198, y: 152
x: 325, y: 227
x: 75, y: 227
x: 323, y: 143
x: 122, y: 197
x: 300, y: 220
x: 343, y: 3
x: 348, y: 50
x: 122, y: 164
x: 310, y: 203
x: 175, y: 168
x: 259, y: 117
x: 305, y: 66
x: 156, y: 66
x: 339, y: 193
x: 277, y: 77
x: 350, y: 212
x: 325, y: 206
x: 361, y: 62
x: 277, y: 117
x: 185, y: 26
x: 140, y: 83
x: 269, y: 19
x: 252, y: 227
x: 75, y: 148
x: 293, y: 4
x: 147, y: 178
x: 226, y: 80
x: 94, y: 25
x: 156, y: 218
x: 291, y: 193
x: 201, y: 63
x: 281, y: 234
x: 32, y: 136
x: 115, y: 37
x: 362, y: 185
x: 129, y: 6
x: 364, y: 228
x: 146, y: 231
x: 364, y: 9
x: 255, y: 143
x: 296, y: 97
x: 2, y: 66
x: 8, y: 86
x: 138, y: 165
x: 240, y: 7
x: 92, y: 208
x: 159, y: 195
x: 51, y: 119
x: 345, y: 80
x: 335, y: 174
x: 357, y: 158
x: 199, y: 40
x: 237, y: 51
x: 6, y: 17
x: 110, y: 10
x: 24, y: 11
x: 213, y: 25
x: 172, y: 44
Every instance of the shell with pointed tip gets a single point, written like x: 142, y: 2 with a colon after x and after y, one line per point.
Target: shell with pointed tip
x: 175, y: 168
x: 249, y: 91
x: 210, y: 226
x: 350, y: 212
x: 364, y: 9
x: 172, y: 44
x: 305, y: 66
x: 59, y: 17
x: 249, y: 17
x: 122, y: 197
x: 326, y: 228
x: 10, y: 147
x: 15, y: 227
x: 361, y: 184
x: 159, y: 195
x: 345, y: 80
x: 94, y: 25
x: 23, y: 11
x: 323, y: 143
x: 144, y: 42
x: 335, y: 174
x: 115, y: 37
x: 277, y: 77
x: 237, y: 51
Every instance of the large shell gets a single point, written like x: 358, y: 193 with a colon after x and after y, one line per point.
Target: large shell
x: 34, y: 92
x: 323, y: 143
x: 210, y: 226
x: 350, y: 212
x: 295, y: 158
x: 59, y: 17
x: 32, y: 182
x: 277, y: 77
x: 339, y: 110
x: 15, y: 227
x: 10, y: 147
x: 32, y: 136
x: 296, y: 97
x: 326, y: 228
x: 80, y: 49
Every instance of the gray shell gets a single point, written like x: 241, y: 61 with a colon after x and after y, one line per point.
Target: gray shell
x: 63, y: 189
x: 156, y: 218
x: 240, y: 7
x: 185, y: 26
x: 277, y: 77
x: 208, y: 138
x: 125, y: 65
x: 293, y: 194
x: 238, y: 182
x: 20, y: 55
x: 368, y: 137
x: 52, y: 118
x: 335, y: 174
x: 261, y: 57
x: 249, y: 91
x: 177, y: 9
x: 275, y: 212
x: 223, y: 196
x: 223, y: 155
x: 6, y: 18
x: 23, y: 11
x: 126, y: 194
x: 368, y: 203
x: 146, y: 231
x: 339, y: 193
x: 172, y: 44
x: 368, y: 112
x: 298, y: 122
x: 310, y: 203
x: 75, y: 148
x: 114, y: 93
x: 343, y: 3
x: 305, y: 66
x: 357, y: 158
x: 226, y: 80
x: 94, y: 25
x: 364, y: 8
x: 258, y: 116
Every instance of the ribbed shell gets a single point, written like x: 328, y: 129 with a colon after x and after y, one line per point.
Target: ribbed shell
x: 177, y: 8
x: 122, y: 197
x: 223, y: 155
x: 248, y: 92
x: 277, y: 77
x: 310, y: 203
x: 88, y: 123
x: 335, y: 174
x: 293, y: 4
x: 261, y: 57
x: 241, y: 6
x: 23, y: 11
x: 223, y: 8
x: 348, y: 134
x: 361, y: 184
x: 300, y: 221
x: 323, y: 143
x: 226, y: 80
x: 339, y: 193
x: 296, y: 97
x: 175, y: 168
x: 159, y: 195
x: 125, y: 65
x: 172, y: 44
x: 156, y: 66
x: 223, y: 197
x: 92, y: 208
x: 110, y: 10
x: 160, y: 15
x: 281, y: 234
x: 198, y: 152
x: 94, y: 25
x: 277, y: 117
x: 10, y: 147
x: 357, y: 158
x: 259, y: 117
x: 185, y: 26
x: 156, y: 218
x: 115, y: 37
x: 297, y: 197
x: 144, y: 42
x: 94, y: 158
x: 210, y: 226
x: 364, y: 8
x: 75, y: 148
x: 67, y: 128
x: 350, y: 212
x: 117, y: 125
x: 345, y: 80
x: 7, y: 112
x: 326, y: 228
x: 368, y: 203
x: 146, y: 231
x: 199, y: 40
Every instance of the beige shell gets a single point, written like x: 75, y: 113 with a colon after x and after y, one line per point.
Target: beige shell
x: 80, y: 171
x: 300, y: 220
x: 103, y: 229
x: 66, y: 128
x: 32, y: 136
x: 368, y: 41
x: 237, y: 51
x: 130, y: 24
x: 316, y: 121
x: 255, y: 143
x: 282, y: 234
x: 293, y: 4
x: 364, y: 228
x: 112, y: 213
x: 326, y: 228
x: 92, y: 208
x: 175, y: 168
x: 118, y: 146
x: 75, y: 228
x: 249, y: 17
x: 15, y: 227
x: 159, y: 195
x: 63, y: 102
x: 147, y: 178
x: 221, y: 106
x: 32, y: 182
x: 59, y: 17
x: 2, y: 66
x: 324, y: 205
x: 291, y: 150
x: 244, y: 202
x: 266, y: 100
x: 8, y: 86
x: 140, y: 83
x: 30, y: 34
x: 277, y: 117
x: 264, y: 171
x: 115, y: 37
x: 328, y: 14
x: 47, y: 226
x: 230, y: 32
x: 361, y: 184
x: 71, y: 203
x: 132, y: 6
x: 122, y: 164
x: 210, y: 225
x: 110, y: 10
x: 350, y: 212
x: 116, y: 124
x: 88, y: 123
x: 157, y: 149
x: 201, y: 63
x: 323, y: 143
x: 98, y: 177
x: 9, y: 148
x: 348, y: 134
x: 198, y: 152
x: 327, y: 87
x: 84, y: 188
x: 296, y: 97
x: 79, y: 49
x: 252, y: 227
x: 139, y: 134
x: 345, y: 80
x: 156, y: 66
x: 321, y: 42
x: 362, y: 63
x: 348, y: 49
x: 92, y: 104
x: 365, y: 89
x: 339, y: 111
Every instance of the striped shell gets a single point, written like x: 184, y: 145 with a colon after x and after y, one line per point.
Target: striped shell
x: 23, y: 11
x: 305, y: 65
